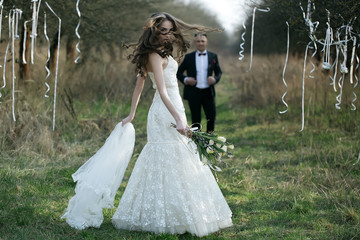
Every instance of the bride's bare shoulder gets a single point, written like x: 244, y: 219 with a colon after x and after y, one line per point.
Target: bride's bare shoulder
x: 155, y: 60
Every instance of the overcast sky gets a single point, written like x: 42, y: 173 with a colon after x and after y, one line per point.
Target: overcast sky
x: 230, y: 13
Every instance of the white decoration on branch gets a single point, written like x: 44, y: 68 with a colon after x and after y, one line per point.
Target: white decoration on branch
x: 242, y: 44
x: 252, y: 32
x: 283, y: 73
x: 77, y: 32
x: 57, y: 64
x: 48, y: 73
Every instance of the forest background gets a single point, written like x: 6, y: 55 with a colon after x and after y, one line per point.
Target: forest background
x: 282, y: 182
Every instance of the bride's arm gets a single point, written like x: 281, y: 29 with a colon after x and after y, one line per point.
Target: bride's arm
x: 135, y: 99
x: 155, y: 62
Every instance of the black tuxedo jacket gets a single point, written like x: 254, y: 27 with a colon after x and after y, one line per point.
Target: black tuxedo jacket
x: 189, y: 66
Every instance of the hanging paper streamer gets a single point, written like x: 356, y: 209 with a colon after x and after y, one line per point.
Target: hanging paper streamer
x: 353, y: 107
x: 57, y: 64
x: 352, y: 60
x: 311, y: 60
x: 18, y: 14
x: 1, y: 13
x: 242, y: 44
x: 47, y: 60
x: 12, y: 20
x: 312, y: 28
x: 343, y: 69
x: 283, y: 73
x: 303, y: 90
x: 34, y: 20
x: 77, y: 32
x: 14, y: 16
x: 24, y: 42
x: 252, y: 33
x: 327, y: 45
x: 333, y: 78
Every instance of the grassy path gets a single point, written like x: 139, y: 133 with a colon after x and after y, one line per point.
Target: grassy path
x: 281, y: 184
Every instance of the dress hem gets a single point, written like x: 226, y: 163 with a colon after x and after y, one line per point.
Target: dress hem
x: 199, y: 229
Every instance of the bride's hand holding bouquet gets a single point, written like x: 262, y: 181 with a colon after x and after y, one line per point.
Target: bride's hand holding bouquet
x: 211, y: 147
x: 181, y: 127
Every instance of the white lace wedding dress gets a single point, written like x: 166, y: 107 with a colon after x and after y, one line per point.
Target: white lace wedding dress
x: 169, y: 190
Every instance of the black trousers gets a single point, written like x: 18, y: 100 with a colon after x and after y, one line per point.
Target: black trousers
x: 203, y: 98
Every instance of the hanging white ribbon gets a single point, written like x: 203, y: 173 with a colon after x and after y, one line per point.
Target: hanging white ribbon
x: 336, y: 62
x: 353, y: 107
x: 333, y: 78
x: 252, y: 33
x: 18, y: 14
x: 352, y: 60
x: 24, y: 42
x: 311, y: 60
x: 13, y: 21
x: 241, y: 52
x: 34, y: 20
x: 303, y: 90
x: 1, y: 16
x: 13, y: 63
x: 343, y: 68
x: 283, y: 73
x: 77, y: 32
x: 1, y: 13
x: 48, y: 72
x: 57, y: 64
x: 327, y: 45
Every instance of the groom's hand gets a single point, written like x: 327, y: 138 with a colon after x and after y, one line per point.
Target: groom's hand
x: 190, y: 81
x: 211, y: 80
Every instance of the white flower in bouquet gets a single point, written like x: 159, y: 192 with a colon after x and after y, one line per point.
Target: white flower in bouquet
x: 210, y: 147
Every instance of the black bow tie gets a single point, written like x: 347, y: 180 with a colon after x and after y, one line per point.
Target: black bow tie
x: 202, y: 54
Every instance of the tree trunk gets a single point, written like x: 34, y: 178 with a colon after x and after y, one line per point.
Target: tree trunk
x: 53, y: 53
x: 70, y: 50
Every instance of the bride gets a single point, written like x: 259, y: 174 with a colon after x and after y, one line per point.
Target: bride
x: 169, y: 190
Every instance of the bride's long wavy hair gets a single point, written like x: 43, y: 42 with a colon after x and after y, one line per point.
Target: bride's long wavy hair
x: 149, y: 40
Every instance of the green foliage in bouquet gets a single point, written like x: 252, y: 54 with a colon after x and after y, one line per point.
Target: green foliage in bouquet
x: 211, y: 147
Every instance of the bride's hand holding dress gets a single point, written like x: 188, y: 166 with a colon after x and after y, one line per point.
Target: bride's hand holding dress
x: 135, y: 99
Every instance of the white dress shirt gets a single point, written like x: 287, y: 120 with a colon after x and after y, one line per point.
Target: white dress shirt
x: 201, y: 70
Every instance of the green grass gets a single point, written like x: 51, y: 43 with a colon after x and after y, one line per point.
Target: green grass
x: 281, y: 183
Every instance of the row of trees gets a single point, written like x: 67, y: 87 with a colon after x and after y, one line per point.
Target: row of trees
x: 102, y: 24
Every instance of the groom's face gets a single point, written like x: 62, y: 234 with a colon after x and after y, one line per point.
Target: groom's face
x: 200, y: 43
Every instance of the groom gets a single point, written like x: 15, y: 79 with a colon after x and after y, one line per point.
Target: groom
x: 202, y: 73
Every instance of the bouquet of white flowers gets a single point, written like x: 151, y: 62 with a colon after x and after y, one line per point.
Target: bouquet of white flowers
x: 211, y: 147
